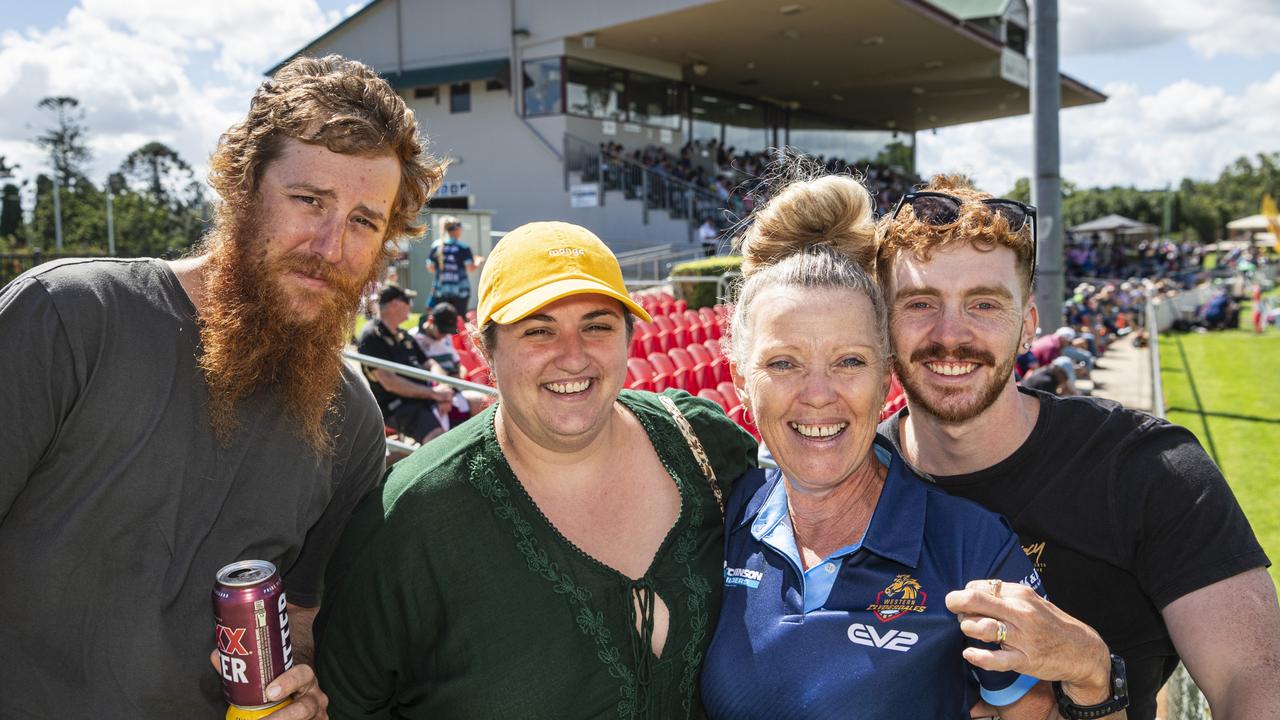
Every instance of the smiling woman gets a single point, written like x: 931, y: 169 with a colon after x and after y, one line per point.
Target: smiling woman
x: 558, y: 555
x: 838, y: 561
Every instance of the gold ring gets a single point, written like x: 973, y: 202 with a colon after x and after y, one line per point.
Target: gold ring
x: 995, y: 587
x: 1002, y: 632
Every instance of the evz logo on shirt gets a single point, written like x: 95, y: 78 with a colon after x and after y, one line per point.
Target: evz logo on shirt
x: 743, y: 577
x: 897, y: 640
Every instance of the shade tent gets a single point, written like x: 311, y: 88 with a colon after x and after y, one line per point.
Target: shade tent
x: 1253, y: 222
x: 1117, y: 224
x: 1108, y: 229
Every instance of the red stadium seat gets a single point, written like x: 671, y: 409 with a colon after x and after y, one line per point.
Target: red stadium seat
x: 738, y: 415
x: 697, y: 327
x: 713, y: 396
x: 895, y: 400
x: 711, y: 322
x: 711, y: 369
x: 639, y: 374
x: 689, y: 369
x: 670, y: 336
x: 667, y: 375
x: 478, y: 375
x: 730, y: 395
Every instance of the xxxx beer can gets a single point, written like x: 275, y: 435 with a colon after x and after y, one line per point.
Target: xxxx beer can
x: 252, y: 636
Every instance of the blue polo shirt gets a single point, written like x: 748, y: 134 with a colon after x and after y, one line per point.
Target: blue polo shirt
x: 866, y: 633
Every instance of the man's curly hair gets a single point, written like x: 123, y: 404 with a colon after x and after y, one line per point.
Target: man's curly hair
x: 977, y: 226
x: 341, y: 104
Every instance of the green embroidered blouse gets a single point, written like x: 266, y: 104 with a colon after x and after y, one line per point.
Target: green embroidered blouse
x: 452, y: 596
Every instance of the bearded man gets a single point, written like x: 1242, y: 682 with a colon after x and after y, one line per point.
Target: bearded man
x: 164, y: 419
x: 1131, y: 527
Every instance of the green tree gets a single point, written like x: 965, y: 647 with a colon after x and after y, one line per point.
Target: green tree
x: 66, y: 141
x: 159, y: 203
x: 158, y: 171
x: 10, y: 215
x: 84, y: 216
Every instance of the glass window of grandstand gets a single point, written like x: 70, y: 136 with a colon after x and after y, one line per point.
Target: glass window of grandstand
x: 460, y: 98
x: 593, y: 90
x: 654, y: 101
x: 542, y: 87
x: 838, y: 142
x: 735, y: 122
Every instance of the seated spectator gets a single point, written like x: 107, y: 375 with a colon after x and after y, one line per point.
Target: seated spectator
x: 435, y: 336
x: 1052, y: 379
x: 416, y: 408
x: 1221, y: 312
x: 1075, y: 347
x: 435, y: 333
x: 1047, y: 348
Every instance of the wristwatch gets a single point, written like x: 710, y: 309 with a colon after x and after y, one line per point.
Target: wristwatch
x: 1118, y: 701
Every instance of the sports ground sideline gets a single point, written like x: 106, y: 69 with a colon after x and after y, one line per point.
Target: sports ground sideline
x: 1225, y: 387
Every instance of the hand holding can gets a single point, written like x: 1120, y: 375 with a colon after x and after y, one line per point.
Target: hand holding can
x: 252, y: 636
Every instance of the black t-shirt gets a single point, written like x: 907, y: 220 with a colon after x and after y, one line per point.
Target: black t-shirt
x: 398, y: 347
x: 1121, y: 513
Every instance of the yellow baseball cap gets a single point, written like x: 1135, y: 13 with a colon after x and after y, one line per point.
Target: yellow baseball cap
x: 541, y: 262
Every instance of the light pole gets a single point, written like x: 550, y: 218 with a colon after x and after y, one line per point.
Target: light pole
x: 111, y: 226
x: 1046, y: 191
x: 57, y: 212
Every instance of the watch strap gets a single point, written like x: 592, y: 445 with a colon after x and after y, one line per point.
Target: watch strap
x: 1118, y: 701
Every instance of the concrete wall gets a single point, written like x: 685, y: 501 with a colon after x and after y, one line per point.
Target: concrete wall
x: 449, y: 33
x: 516, y: 176
x: 370, y: 38
x: 510, y: 169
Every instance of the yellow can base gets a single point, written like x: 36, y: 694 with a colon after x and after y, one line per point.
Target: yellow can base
x: 235, y: 712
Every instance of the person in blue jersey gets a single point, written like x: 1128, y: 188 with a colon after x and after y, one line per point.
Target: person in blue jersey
x: 450, y: 262
x: 838, y: 562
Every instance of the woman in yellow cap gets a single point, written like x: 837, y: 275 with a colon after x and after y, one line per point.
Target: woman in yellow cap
x: 558, y: 556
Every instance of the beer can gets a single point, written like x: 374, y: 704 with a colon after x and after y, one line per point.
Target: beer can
x: 252, y: 635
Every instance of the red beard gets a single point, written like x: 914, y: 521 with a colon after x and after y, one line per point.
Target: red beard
x: 253, y: 338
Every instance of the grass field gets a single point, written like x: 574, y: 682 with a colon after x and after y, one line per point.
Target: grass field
x: 1225, y: 387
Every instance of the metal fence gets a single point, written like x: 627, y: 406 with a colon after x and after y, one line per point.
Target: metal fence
x: 418, y: 374
x: 1183, y: 699
x: 658, y: 191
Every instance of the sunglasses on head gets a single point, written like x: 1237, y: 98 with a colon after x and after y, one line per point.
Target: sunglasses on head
x: 935, y: 208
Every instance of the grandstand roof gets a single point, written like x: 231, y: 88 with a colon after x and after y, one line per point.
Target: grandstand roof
x: 969, y: 9
x: 901, y: 64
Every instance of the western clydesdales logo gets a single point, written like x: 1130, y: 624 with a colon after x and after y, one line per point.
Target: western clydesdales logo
x: 902, y: 596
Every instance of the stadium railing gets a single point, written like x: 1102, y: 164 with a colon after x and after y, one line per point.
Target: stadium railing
x: 680, y: 199
x: 1184, y: 699
x: 417, y: 374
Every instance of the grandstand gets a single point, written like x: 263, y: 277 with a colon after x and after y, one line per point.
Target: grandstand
x: 544, y: 104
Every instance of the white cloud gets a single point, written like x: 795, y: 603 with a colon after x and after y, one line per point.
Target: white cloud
x: 1222, y: 27
x: 1183, y: 130
x: 179, y: 73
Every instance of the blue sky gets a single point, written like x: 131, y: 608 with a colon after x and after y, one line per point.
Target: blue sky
x: 1192, y: 84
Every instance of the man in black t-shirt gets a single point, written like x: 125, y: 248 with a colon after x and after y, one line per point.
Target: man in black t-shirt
x: 1130, y: 525
x: 411, y: 406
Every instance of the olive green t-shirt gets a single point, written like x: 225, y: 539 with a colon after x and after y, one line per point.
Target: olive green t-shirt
x: 452, y: 596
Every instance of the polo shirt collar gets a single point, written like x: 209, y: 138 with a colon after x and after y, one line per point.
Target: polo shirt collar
x: 896, y: 530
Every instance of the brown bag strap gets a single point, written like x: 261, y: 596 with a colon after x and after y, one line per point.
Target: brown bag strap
x: 695, y: 445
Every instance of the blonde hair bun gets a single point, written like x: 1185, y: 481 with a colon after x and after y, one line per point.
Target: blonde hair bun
x: 831, y: 210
